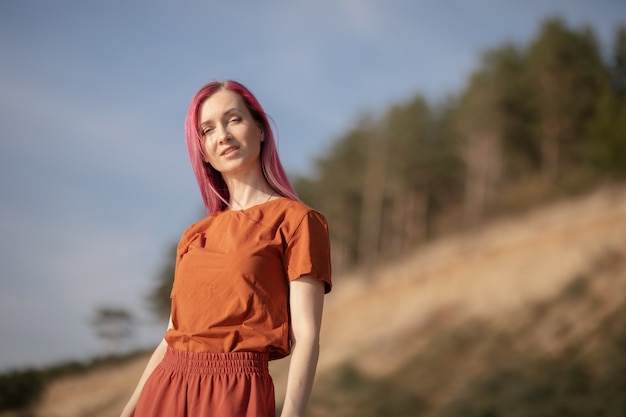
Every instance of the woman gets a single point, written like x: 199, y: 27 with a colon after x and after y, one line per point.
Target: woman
x: 250, y: 277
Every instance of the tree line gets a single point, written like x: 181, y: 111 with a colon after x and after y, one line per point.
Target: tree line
x: 533, y: 122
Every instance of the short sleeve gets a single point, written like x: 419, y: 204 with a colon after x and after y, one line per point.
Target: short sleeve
x: 308, y: 250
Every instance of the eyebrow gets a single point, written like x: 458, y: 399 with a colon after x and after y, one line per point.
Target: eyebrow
x: 230, y: 110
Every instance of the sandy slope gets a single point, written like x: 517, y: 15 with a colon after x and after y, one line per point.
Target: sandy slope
x: 490, y: 273
x: 100, y: 393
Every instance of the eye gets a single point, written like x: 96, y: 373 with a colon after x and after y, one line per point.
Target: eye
x: 206, y: 130
x: 234, y: 119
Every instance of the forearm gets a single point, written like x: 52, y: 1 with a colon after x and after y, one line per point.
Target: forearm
x: 306, y: 302
x: 154, y: 361
x: 302, y: 367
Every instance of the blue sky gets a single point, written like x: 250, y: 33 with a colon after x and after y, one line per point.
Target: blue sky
x: 95, y: 183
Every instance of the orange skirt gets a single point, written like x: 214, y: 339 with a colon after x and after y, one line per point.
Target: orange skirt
x: 191, y: 384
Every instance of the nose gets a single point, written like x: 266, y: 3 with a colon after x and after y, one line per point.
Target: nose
x: 223, y: 135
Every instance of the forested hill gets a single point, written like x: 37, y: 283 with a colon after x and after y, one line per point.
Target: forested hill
x: 525, y: 314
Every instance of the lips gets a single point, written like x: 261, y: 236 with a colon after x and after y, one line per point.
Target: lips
x: 229, y: 150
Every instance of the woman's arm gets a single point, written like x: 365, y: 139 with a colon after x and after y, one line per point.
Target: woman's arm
x: 155, y: 359
x: 306, y: 303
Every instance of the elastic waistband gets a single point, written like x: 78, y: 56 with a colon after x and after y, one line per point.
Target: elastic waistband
x: 216, y: 363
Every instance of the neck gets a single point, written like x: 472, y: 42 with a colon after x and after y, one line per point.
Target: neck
x: 247, y: 191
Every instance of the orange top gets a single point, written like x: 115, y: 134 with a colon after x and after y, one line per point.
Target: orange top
x: 231, y: 289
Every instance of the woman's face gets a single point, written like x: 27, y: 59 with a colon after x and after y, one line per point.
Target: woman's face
x: 231, y: 138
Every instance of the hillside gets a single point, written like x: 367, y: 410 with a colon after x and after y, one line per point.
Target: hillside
x: 537, y: 285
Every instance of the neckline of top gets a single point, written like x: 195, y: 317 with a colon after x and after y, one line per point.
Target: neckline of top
x: 270, y: 201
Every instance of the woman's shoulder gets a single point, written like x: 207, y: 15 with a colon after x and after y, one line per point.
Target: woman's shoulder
x: 290, y: 208
x: 290, y: 204
x: 193, y: 229
x: 293, y: 215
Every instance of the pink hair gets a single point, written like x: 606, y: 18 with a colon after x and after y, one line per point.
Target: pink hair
x: 214, y: 191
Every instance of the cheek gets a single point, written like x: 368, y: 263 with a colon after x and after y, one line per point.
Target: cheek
x: 206, y: 150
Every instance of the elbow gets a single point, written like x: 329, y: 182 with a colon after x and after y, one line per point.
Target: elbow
x: 309, y: 342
